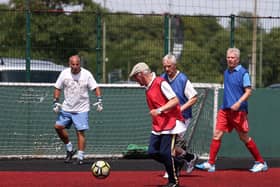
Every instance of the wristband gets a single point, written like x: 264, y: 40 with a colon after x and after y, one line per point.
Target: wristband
x: 99, y: 98
x: 55, y: 100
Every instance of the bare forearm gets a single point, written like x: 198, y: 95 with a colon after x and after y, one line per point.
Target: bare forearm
x: 56, y: 93
x: 246, y: 95
x: 98, y: 92
x: 189, y: 104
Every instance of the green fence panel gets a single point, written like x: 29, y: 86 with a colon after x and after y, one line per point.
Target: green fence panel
x: 264, y: 128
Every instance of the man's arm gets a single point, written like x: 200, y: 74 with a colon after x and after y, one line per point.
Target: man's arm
x: 56, y: 94
x: 244, y: 97
x: 191, y: 94
x: 170, y: 95
x: 190, y: 103
x: 98, y: 92
x: 56, y: 104
x: 170, y: 104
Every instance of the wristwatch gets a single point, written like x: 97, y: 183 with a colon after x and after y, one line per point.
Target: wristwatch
x: 159, y: 111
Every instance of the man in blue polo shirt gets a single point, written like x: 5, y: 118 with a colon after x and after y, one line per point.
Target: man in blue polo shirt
x: 233, y: 113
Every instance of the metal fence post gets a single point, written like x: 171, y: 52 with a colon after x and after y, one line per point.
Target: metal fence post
x: 166, y: 34
x: 232, y: 23
x: 98, y: 47
x: 28, y: 42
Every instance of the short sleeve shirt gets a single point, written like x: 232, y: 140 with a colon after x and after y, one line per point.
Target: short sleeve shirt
x: 76, y: 86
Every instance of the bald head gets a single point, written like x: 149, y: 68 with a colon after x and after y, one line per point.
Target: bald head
x: 75, y: 64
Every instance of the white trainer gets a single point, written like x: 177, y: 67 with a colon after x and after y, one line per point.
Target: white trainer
x: 165, y: 175
x: 206, y: 166
x: 258, y: 167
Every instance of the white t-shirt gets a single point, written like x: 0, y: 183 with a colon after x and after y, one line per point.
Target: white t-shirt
x: 190, y: 92
x: 76, y: 97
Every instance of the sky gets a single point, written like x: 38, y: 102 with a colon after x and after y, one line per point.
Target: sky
x: 265, y: 8
x: 190, y: 7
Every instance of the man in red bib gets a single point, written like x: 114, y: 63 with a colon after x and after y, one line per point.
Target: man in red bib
x: 167, y: 120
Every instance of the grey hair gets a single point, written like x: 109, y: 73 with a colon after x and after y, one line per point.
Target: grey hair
x: 170, y: 57
x: 234, y: 50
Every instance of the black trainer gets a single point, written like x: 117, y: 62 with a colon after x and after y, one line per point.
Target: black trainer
x: 69, y: 155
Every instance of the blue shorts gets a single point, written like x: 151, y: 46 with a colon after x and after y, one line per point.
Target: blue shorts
x: 79, y: 120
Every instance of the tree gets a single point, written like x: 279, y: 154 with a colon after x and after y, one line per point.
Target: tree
x: 55, y: 34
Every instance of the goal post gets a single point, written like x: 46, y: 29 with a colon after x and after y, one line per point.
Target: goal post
x: 27, y: 121
x: 202, y: 125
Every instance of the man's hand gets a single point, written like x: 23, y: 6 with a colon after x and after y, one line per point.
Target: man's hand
x: 156, y: 112
x: 99, y: 104
x: 235, y: 106
x: 56, y: 106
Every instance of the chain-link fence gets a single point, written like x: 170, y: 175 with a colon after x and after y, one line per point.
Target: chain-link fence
x: 111, y: 43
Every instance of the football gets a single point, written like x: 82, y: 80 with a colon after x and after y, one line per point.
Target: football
x: 100, y: 169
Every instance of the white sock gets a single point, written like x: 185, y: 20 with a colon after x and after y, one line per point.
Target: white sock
x: 69, y: 147
x: 80, y: 155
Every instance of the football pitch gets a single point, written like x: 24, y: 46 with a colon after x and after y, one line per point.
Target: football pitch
x: 132, y: 173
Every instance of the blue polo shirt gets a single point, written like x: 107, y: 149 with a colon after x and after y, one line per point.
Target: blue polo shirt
x: 235, y: 83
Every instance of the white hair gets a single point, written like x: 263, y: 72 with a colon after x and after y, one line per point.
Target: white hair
x: 234, y: 50
x: 170, y: 57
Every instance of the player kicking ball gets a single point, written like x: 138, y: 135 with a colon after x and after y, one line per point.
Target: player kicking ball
x: 167, y: 119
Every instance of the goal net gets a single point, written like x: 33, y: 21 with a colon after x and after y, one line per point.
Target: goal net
x: 27, y: 121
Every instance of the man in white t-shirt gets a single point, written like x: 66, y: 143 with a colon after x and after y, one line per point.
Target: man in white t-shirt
x: 76, y: 82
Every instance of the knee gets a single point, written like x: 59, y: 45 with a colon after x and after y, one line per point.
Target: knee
x: 245, y: 139
x: 217, y: 135
x: 58, y: 127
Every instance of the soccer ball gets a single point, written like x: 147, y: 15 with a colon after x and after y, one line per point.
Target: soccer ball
x: 100, y: 169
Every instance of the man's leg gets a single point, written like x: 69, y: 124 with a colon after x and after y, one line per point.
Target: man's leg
x: 166, y: 147
x: 80, y: 121
x: 81, y: 146
x: 153, y: 149
x: 63, y: 135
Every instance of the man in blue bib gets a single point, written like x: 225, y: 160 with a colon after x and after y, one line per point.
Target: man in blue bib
x: 233, y: 113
